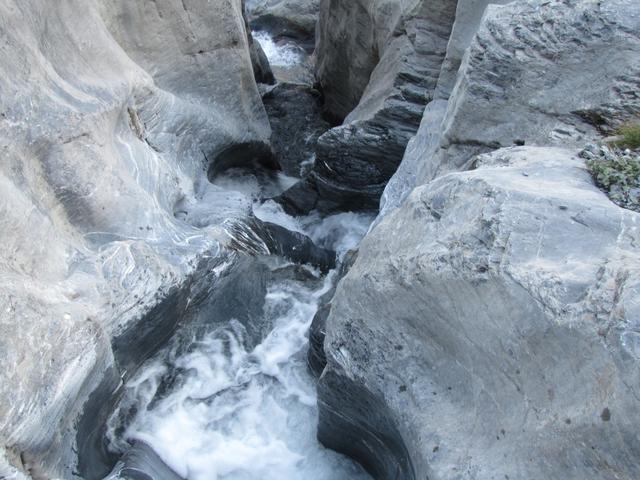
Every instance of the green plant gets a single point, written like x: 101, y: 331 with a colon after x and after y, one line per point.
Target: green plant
x: 619, y: 177
x: 630, y: 136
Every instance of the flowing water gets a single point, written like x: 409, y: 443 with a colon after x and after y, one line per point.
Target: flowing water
x: 233, y: 412
x: 279, y: 54
x: 221, y: 404
x: 289, y: 61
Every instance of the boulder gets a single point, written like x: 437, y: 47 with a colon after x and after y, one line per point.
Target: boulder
x: 257, y: 237
x: 295, y: 114
x: 489, y: 329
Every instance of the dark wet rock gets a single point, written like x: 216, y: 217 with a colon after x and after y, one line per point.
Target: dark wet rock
x: 359, y: 424
x: 297, y: 247
x: 264, y: 238
x: 378, y: 67
x: 142, y: 463
x: 316, y: 357
x: 295, y: 114
x: 94, y: 459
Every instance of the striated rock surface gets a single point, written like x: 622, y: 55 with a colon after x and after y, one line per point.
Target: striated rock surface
x: 111, y: 115
x: 532, y: 75
x: 378, y: 65
x: 488, y: 329
x: 142, y: 461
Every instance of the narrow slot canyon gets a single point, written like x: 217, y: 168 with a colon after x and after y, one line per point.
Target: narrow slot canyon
x: 319, y: 239
x: 232, y: 394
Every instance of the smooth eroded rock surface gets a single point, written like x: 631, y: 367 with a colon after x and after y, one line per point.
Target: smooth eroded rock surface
x: 489, y: 329
x: 110, y: 115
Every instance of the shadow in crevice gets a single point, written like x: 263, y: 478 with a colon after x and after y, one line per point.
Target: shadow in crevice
x: 251, y: 156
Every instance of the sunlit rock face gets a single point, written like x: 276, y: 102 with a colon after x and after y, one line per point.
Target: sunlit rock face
x: 110, y: 116
x: 532, y: 75
x: 488, y: 327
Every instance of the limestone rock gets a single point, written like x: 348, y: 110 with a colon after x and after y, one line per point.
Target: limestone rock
x: 111, y: 113
x: 378, y: 66
x: 489, y: 329
x: 532, y: 75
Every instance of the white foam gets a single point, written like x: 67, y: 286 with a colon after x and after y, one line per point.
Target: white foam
x: 241, y: 181
x: 340, y: 232
x: 239, y: 414
x: 272, y: 212
x: 279, y: 55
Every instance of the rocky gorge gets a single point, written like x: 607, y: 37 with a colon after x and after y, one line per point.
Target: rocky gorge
x: 228, y: 228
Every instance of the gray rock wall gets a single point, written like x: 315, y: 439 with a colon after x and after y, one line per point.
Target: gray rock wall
x: 378, y: 64
x: 532, y: 75
x: 488, y: 327
x: 469, y: 15
x: 349, y: 47
x: 110, y: 114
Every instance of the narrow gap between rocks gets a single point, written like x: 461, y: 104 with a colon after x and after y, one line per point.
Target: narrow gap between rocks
x: 232, y: 395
